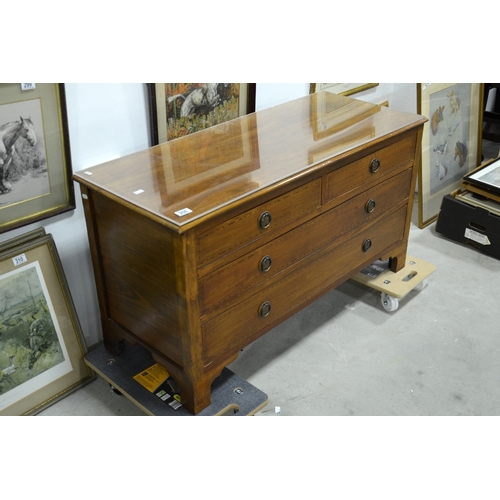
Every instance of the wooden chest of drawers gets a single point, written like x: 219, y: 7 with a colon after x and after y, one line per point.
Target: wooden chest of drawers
x: 203, y: 244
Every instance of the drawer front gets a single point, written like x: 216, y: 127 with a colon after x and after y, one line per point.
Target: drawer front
x: 369, y: 169
x: 259, y: 221
x: 222, y: 287
x: 243, y: 323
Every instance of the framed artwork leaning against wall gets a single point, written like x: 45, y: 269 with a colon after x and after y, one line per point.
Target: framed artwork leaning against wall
x: 42, y: 347
x: 35, y: 161
x: 178, y: 109
x: 451, y: 142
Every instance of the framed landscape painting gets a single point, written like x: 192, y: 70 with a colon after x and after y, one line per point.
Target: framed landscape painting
x: 41, y: 345
x: 178, y: 109
x: 35, y: 162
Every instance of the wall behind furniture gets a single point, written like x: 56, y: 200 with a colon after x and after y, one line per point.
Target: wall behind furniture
x: 401, y: 96
x: 108, y: 121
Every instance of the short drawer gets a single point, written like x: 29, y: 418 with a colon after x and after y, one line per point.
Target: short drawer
x: 370, y: 169
x: 257, y: 222
x: 221, y: 287
x: 278, y: 298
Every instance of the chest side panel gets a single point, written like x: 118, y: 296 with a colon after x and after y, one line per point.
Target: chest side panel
x: 138, y: 262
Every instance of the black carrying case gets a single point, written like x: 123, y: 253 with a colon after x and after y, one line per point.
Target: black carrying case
x: 469, y: 225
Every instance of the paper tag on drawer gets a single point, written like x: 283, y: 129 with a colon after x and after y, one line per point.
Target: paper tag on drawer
x: 477, y: 237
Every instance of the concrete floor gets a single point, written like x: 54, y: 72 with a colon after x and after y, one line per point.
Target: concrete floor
x: 345, y: 355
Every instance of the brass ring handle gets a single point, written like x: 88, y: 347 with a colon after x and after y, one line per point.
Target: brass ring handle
x: 265, y: 264
x: 374, y: 165
x: 265, y: 309
x: 265, y: 220
x: 367, y: 244
x: 370, y: 206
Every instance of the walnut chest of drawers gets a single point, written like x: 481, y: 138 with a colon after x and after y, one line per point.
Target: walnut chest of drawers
x: 202, y: 244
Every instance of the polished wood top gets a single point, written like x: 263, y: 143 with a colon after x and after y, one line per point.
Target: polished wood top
x: 186, y: 180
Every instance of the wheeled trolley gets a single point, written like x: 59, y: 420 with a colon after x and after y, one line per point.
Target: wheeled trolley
x: 231, y: 395
x: 394, y: 286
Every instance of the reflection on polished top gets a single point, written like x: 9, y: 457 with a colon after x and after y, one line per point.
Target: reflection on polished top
x: 187, y: 179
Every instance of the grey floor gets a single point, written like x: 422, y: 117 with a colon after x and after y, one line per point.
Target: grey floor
x: 345, y: 355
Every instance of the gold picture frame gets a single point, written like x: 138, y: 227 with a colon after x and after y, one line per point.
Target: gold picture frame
x: 35, y: 160
x: 42, y: 347
x: 346, y: 89
x: 451, y: 141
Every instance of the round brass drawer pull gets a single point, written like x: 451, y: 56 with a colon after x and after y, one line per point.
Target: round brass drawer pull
x: 265, y: 264
x: 370, y: 206
x: 367, y: 244
x: 374, y: 165
x: 265, y: 220
x: 265, y: 309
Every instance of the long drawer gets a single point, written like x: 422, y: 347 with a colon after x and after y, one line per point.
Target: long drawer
x: 344, y: 182
x: 223, y: 286
x: 283, y: 294
x: 257, y: 222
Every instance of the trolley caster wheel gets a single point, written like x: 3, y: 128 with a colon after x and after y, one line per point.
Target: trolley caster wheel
x: 389, y: 303
x: 112, y: 388
x: 421, y: 285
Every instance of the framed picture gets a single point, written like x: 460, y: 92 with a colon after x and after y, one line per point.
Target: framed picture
x: 331, y: 114
x: 341, y: 88
x: 41, y: 344
x: 35, y: 162
x: 451, y: 141
x: 486, y: 178
x: 179, y: 109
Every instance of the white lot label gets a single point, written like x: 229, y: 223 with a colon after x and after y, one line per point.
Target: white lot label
x: 477, y: 237
x: 182, y: 212
x: 19, y: 259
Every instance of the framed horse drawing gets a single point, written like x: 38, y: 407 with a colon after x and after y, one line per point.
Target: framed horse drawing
x: 35, y: 162
x: 178, y: 109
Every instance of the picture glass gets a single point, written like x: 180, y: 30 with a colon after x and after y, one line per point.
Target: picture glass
x: 22, y: 138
